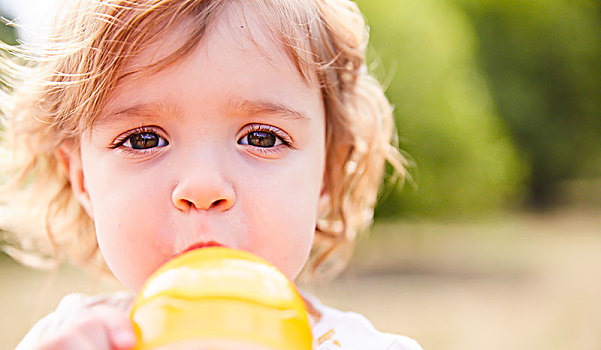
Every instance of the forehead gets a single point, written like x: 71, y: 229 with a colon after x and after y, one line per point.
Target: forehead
x: 249, y: 25
x: 237, y: 50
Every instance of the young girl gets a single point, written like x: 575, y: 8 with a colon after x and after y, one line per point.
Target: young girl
x: 151, y: 127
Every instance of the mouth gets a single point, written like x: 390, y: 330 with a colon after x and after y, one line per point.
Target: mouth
x: 201, y: 245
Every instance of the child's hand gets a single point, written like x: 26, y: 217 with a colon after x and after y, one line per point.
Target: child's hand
x: 99, y: 327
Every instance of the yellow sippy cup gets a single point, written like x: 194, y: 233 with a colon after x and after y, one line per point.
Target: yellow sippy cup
x: 220, y: 299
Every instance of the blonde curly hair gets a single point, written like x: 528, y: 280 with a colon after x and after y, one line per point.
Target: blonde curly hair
x: 54, y: 94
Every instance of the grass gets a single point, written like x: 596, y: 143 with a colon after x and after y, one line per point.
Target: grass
x: 516, y: 282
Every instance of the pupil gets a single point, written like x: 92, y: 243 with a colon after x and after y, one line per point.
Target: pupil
x: 261, y: 139
x: 145, y: 140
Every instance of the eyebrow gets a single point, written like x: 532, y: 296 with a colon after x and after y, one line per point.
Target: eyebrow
x: 235, y: 106
x: 253, y: 108
x: 142, y: 109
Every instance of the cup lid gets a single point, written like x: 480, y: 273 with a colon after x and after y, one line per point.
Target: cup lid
x: 220, y: 295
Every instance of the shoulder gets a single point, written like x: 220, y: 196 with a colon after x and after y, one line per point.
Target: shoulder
x: 68, y: 310
x: 336, y: 330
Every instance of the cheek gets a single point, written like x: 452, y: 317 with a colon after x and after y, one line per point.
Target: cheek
x: 282, y: 214
x: 283, y: 234
x: 129, y: 237
x: 128, y: 218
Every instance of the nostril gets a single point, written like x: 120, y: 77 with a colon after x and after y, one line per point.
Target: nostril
x: 206, y: 195
x: 217, y: 203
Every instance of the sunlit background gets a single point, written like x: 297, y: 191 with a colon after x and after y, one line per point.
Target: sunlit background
x: 495, y: 242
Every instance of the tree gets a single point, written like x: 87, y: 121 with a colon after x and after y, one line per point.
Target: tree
x: 465, y: 159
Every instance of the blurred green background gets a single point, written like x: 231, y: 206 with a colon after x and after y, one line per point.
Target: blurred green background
x: 497, y: 102
x: 495, y: 242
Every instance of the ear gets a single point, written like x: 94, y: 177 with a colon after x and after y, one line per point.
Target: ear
x: 337, y: 158
x: 69, y: 157
x: 323, y: 203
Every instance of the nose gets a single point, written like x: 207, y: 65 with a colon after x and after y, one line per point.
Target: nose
x: 203, y: 189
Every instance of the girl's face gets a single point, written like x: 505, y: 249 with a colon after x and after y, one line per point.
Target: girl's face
x: 225, y: 146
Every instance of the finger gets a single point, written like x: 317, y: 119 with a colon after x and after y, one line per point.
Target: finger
x: 69, y: 341
x: 117, y: 327
x: 94, y: 332
x: 88, y: 334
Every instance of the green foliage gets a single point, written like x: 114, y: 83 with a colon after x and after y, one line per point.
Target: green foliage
x: 543, y: 62
x: 7, y: 33
x: 465, y: 160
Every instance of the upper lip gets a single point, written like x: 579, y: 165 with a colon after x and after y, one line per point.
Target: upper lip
x: 200, y: 245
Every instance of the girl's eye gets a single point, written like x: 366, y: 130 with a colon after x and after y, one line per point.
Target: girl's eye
x: 145, y: 140
x: 263, y: 139
x: 141, y: 140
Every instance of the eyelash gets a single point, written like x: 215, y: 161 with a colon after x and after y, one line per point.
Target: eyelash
x: 122, y: 139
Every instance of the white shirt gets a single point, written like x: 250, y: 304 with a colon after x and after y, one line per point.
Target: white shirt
x: 333, y: 329
x: 340, y: 330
